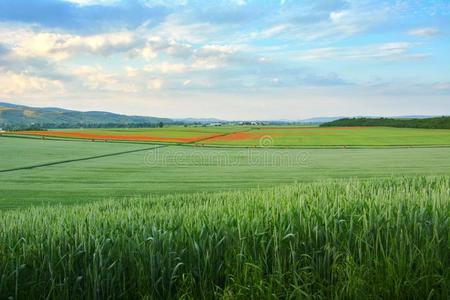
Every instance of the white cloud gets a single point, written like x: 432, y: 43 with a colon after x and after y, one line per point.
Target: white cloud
x: 95, y: 78
x: 338, y: 16
x: 386, y: 51
x: 93, y: 2
x: 442, y: 86
x: 175, y: 28
x: 148, y: 53
x: 131, y: 72
x: 424, y: 32
x: 239, y: 2
x: 18, y: 84
x: 307, y: 23
x: 166, y: 67
x: 274, y: 30
x: 155, y: 84
x: 165, y: 3
x: 57, y: 46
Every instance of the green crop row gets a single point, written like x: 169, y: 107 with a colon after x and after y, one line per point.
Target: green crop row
x: 373, y: 239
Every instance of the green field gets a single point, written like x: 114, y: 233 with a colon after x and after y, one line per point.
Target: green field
x: 95, y: 220
x: 340, y: 136
x: 175, y: 169
x: 168, y: 131
x: 379, y: 239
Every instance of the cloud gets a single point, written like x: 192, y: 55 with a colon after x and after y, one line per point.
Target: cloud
x: 424, y: 32
x: 95, y: 78
x: 325, y: 20
x: 184, y: 28
x: 93, y: 2
x: 233, y: 12
x: 56, y: 46
x: 155, y: 84
x: 12, y: 84
x: 166, y: 68
x: 443, y: 86
x: 385, y: 51
x: 165, y: 3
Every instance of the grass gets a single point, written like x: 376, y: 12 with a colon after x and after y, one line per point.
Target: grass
x: 182, y: 169
x: 374, y: 239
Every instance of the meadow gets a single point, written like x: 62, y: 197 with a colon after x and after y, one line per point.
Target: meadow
x: 375, y: 239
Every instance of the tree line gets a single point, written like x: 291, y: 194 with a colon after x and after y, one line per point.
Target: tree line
x: 429, y: 123
x: 44, y: 126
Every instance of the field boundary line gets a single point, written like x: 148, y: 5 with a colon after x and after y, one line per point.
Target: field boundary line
x: 218, y: 135
x: 79, y: 159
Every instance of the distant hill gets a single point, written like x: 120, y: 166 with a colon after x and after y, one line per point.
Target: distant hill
x: 12, y: 115
x: 430, y: 123
x: 320, y: 120
x: 199, y: 120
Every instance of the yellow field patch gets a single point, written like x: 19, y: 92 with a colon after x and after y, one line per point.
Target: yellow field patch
x: 5, y: 108
x: 28, y: 113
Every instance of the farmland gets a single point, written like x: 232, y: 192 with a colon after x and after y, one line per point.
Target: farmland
x: 180, y: 169
x: 335, y: 136
x: 226, y: 212
x: 288, y: 136
x: 376, y: 239
x: 168, y: 134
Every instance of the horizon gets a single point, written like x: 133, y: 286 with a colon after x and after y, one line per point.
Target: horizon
x: 230, y: 60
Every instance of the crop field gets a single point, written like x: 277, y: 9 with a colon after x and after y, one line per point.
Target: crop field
x: 288, y: 136
x: 177, y: 134
x: 71, y: 172
x: 334, y: 136
x: 376, y: 239
x: 212, y: 218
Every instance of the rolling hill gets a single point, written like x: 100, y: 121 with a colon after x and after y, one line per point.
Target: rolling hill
x: 19, y: 115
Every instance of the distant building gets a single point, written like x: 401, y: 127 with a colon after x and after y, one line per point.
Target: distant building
x: 215, y: 124
x: 251, y: 123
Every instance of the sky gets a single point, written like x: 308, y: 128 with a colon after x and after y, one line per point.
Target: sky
x: 229, y: 59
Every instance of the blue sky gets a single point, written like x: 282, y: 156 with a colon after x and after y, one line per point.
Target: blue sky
x: 232, y: 59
